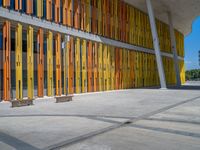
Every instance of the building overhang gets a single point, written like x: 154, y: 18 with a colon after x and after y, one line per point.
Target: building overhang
x: 182, y: 11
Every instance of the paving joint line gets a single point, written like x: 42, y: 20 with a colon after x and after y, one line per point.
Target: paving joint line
x: 65, y: 115
x: 173, y: 120
x: 116, y: 126
x: 165, y: 130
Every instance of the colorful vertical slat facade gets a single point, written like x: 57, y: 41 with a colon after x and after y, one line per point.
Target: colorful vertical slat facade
x: 88, y: 66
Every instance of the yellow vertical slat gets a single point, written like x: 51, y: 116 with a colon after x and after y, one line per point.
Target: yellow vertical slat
x: 99, y: 17
x: 112, y: 70
x: 132, y: 67
x: 6, y: 3
x: 136, y: 69
x: 124, y: 85
x: 100, y: 66
x: 18, y: 61
x: 50, y: 63
x: 30, y: 63
x: 108, y: 67
x: 95, y: 67
x: 40, y: 8
x: 128, y: 70
x: 105, y: 73
x: 84, y: 66
x: 88, y: 16
x: 140, y: 69
x: 65, y: 65
x: 77, y: 65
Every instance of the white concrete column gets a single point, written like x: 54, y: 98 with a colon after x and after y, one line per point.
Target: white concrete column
x: 156, y: 45
x: 174, y: 50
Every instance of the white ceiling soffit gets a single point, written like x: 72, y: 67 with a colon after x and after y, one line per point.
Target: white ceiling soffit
x: 183, y: 11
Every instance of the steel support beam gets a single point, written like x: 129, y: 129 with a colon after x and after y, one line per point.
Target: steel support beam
x: 156, y: 45
x: 174, y: 50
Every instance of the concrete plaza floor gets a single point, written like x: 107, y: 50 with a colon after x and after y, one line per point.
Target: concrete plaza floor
x: 137, y: 119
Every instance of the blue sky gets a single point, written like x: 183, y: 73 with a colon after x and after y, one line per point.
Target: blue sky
x: 192, y: 46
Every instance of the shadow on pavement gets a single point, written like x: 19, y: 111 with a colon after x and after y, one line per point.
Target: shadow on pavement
x: 186, y: 87
x: 15, y: 143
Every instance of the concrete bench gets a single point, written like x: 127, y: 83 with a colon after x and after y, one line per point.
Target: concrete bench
x: 23, y: 102
x: 62, y: 99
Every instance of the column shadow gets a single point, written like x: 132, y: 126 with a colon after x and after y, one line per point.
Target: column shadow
x: 15, y: 143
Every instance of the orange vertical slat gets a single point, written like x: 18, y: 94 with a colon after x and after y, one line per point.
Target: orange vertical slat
x: 57, y: 11
x: 49, y: 10
x: 6, y: 61
x: 58, y: 65
x: 69, y: 13
x: 77, y: 14
x: 132, y: 69
x: 103, y: 17
x: 82, y: 13
x: 94, y: 16
x: 119, y: 20
x: 29, y: 7
x: 71, y: 66
x: 64, y: 5
x: 6, y: 3
x: 90, y: 67
x: 18, y: 4
x: 123, y: 21
x: 112, y: 19
x: 40, y: 59
x: 108, y: 18
x: 127, y: 22
x: 95, y: 66
x: 117, y: 68
x: 121, y: 68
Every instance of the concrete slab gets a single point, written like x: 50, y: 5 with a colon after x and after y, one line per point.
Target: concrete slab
x: 40, y: 132
x: 130, y: 138
x: 127, y: 103
x: 184, y: 127
x: 161, y: 118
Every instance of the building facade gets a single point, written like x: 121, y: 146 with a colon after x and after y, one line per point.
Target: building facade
x: 38, y: 62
